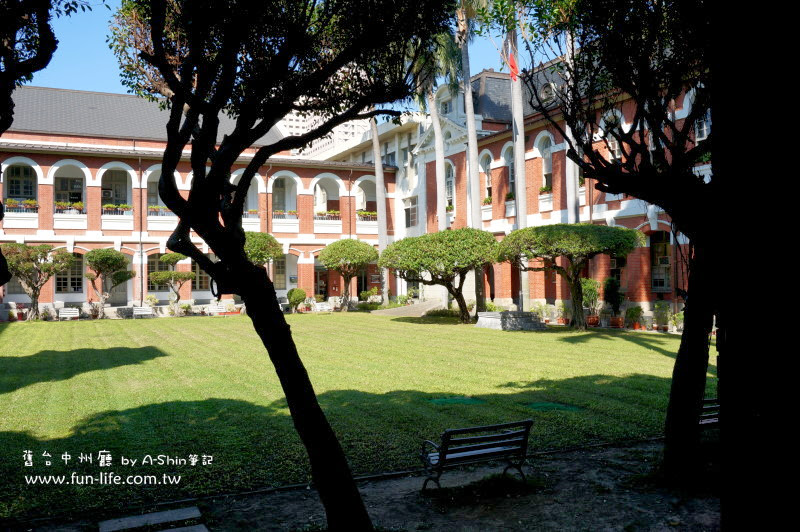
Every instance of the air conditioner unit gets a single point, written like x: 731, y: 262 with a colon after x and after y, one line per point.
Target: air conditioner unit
x: 663, y: 261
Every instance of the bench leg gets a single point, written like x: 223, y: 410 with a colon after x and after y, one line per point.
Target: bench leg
x: 518, y: 467
x: 435, y: 479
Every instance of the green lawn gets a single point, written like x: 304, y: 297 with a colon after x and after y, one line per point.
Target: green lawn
x: 205, y: 386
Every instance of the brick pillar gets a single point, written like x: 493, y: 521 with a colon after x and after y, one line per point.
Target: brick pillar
x: 48, y: 290
x: 45, y: 207
x: 263, y: 212
x: 348, y: 208
x: 186, y: 289
x: 139, y: 222
x: 94, y: 208
x: 305, y: 277
x: 137, y: 279
x: 305, y: 210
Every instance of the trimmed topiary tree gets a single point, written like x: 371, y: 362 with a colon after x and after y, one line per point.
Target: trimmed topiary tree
x: 34, y: 266
x: 296, y: 296
x: 577, y: 243
x: 173, y: 279
x: 109, y: 268
x: 261, y: 248
x: 348, y: 257
x: 444, y: 258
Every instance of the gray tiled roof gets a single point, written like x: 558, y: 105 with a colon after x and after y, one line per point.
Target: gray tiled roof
x: 71, y: 112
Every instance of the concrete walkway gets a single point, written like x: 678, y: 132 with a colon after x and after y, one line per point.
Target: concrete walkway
x: 414, y: 311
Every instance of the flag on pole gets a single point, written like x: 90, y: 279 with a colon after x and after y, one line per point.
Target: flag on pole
x: 512, y: 61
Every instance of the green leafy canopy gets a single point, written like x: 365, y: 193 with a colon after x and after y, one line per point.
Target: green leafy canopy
x: 348, y: 256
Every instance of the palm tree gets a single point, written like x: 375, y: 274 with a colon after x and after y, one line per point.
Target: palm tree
x: 380, y: 197
x: 443, y: 60
x: 465, y: 14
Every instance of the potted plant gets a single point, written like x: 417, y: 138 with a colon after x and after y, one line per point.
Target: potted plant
x: 547, y: 189
x: 11, y: 203
x: 124, y: 207
x: 563, y: 313
x: 662, y: 315
x: 633, y: 317
x: 78, y: 206
x: 487, y: 200
x: 591, y: 296
x: 449, y: 208
x: 614, y: 298
x: 510, y: 196
x: 676, y: 320
x: 292, y: 213
x: 61, y: 206
x: 30, y: 204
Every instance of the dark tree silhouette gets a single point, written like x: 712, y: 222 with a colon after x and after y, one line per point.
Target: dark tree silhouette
x: 645, y: 58
x: 258, y: 61
x: 27, y: 43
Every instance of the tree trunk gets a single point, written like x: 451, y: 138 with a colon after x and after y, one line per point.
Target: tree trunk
x: 438, y: 145
x: 5, y: 273
x: 346, y: 294
x: 681, y: 430
x: 578, y: 320
x: 463, y: 311
x: 34, y: 313
x: 329, y: 469
x: 380, y: 197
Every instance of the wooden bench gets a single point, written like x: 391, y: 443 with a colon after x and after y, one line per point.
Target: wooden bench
x: 70, y: 313
x: 507, y: 441
x: 709, y: 415
x: 142, y: 312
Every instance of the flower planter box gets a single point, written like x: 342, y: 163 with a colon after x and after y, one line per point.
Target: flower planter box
x: 617, y: 322
x: 593, y: 321
x: 563, y: 321
x: 638, y: 326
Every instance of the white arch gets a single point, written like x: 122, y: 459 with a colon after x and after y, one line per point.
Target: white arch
x: 342, y: 189
x: 262, y: 187
x: 189, y: 177
x: 506, y: 146
x: 538, y: 139
x: 156, y: 168
x: 11, y: 161
x: 291, y: 175
x: 51, y: 174
x: 115, y: 165
x: 613, y: 112
x: 358, y: 181
x: 484, y: 153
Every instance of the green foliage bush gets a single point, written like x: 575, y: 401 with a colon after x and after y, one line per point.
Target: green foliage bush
x: 261, y: 248
x: 364, y: 295
x: 591, y: 293
x: 633, y: 315
x: 613, y: 295
x: 296, y: 296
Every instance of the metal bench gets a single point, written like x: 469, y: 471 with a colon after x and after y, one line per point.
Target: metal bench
x: 507, y: 441
x: 709, y: 415
x: 70, y: 313
x: 323, y: 307
x: 143, y: 312
x: 216, y: 309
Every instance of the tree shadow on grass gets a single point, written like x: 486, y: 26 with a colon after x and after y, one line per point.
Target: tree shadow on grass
x: 255, y: 446
x: 51, y: 366
x: 431, y: 320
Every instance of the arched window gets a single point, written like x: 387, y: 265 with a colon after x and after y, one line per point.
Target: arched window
x: 20, y: 185
x: 449, y: 186
x: 279, y: 273
x: 202, y: 281
x: 546, y: 149
x: 702, y: 127
x: 486, y: 169
x: 68, y: 185
x: 508, y: 158
x: 71, y: 281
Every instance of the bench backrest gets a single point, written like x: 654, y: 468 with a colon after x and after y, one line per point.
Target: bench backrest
x: 68, y: 312
x: 142, y: 311
x: 323, y: 306
x: 215, y: 309
x: 506, y: 439
x: 710, y: 412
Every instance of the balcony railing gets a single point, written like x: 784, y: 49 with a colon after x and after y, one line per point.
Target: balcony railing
x: 118, y: 212
x: 280, y: 215
x: 334, y: 216
x: 367, y: 216
x: 69, y: 209
x: 250, y: 215
x: 20, y: 208
x: 159, y: 211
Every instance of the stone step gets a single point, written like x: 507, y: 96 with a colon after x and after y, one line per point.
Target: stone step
x: 155, y: 518
x: 193, y: 528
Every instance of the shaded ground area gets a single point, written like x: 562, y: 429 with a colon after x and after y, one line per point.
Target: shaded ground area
x: 602, y: 488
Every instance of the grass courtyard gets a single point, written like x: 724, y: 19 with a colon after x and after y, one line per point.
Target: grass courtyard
x: 204, y: 386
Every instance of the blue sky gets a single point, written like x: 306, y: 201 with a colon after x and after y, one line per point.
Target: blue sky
x: 84, y: 62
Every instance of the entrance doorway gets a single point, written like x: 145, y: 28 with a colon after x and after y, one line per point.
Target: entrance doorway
x: 320, y: 282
